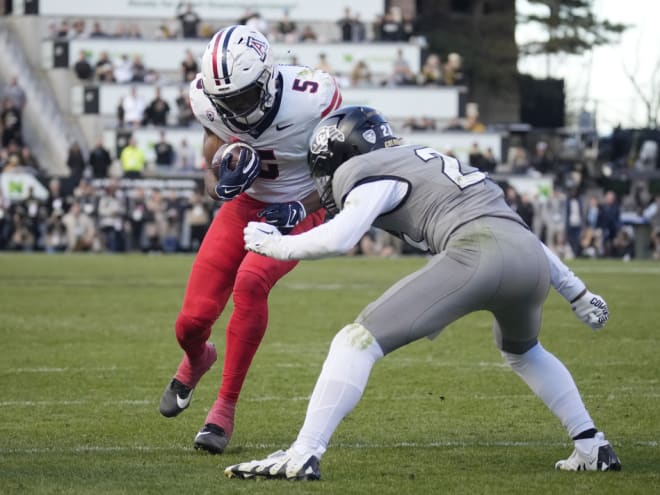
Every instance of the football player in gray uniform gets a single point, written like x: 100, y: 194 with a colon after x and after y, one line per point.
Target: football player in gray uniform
x: 483, y: 257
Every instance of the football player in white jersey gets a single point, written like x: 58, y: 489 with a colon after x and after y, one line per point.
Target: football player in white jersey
x: 483, y: 257
x: 242, y: 95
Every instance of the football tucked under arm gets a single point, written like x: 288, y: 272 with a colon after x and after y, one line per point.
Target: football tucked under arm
x: 236, y: 166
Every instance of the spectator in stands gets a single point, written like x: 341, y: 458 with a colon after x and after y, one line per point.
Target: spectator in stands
x: 184, y: 111
x: 489, y: 162
x: 542, y: 161
x: 189, y: 20
x: 359, y: 29
x: 560, y: 246
x: 57, y: 201
x: 473, y: 124
x: 134, y: 32
x: 361, y: 75
x: 610, y: 221
x: 104, y: 68
x: 155, y: 224
x: 16, y: 94
x: 526, y: 209
x: 185, y: 157
x: 80, y: 229
x: 99, y: 160
x: 574, y: 221
x: 76, y: 163
x: 402, y: 74
x: 63, y: 30
x: 83, y: 68
x: 11, y: 123
x: 518, y: 160
x: 189, y: 67
x: 139, y: 70
x: 452, y: 70
x: 85, y: 194
x: 409, y: 27
x: 197, y: 218
x: 592, y: 234
x: 111, y: 210
x: 133, y: 107
x: 157, y: 111
x: 308, y: 34
x: 419, y: 124
x: 476, y: 156
x: 164, y: 32
x: 21, y: 236
x: 78, y: 30
x: 122, y: 69
x: 97, y: 31
x: 55, y: 236
x: 512, y: 197
x: 35, y: 215
x: 164, y: 153
x: 137, y: 218
x: 553, y: 217
x: 172, y: 226
x: 29, y: 162
x: 623, y: 244
x: 323, y: 64
x: 431, y: 73
x: 132, y: 160
x: 346, y: 25
x: 287, y: 30
x: 391, y: 28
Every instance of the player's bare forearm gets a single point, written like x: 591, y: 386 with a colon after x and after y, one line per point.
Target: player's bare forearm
x: 209, y: 147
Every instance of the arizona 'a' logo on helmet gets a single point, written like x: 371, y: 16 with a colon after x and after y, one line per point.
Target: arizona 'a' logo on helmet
x: 258, y: 46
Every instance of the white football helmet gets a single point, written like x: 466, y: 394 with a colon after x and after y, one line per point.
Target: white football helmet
x: 239, y: 76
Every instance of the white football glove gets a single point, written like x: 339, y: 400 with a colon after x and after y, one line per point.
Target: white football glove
x: 262, y: 238
x: 591, y: 309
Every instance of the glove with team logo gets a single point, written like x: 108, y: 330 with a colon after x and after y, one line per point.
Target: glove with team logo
x: 284, y: 216
x: 591, y: 309
x: 238, y: 165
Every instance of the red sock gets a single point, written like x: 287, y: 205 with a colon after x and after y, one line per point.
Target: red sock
x: 222, y: 414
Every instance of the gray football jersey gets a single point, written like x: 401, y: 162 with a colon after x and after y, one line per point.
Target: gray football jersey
x: 442, y: 193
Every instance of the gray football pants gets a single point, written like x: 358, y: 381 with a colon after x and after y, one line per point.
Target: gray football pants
x: 490, y: 264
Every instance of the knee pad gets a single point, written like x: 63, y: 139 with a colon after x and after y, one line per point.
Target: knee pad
x: 251, y: 285
x: 355, y: 337
x: 194, y: 323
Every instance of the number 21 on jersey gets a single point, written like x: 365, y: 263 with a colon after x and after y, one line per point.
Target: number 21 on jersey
x: 451, y: 167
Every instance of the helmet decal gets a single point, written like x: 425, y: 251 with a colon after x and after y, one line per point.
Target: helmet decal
x: 216, y: 74
x: 258, y: 46
x: 369, y: 136
x: 323, y: 136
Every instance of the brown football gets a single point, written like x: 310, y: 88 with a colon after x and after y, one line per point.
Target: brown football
x: 232, y: 148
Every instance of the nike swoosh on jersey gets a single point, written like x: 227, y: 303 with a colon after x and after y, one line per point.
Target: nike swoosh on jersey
x: 182, y: 403
x: 280, y: 127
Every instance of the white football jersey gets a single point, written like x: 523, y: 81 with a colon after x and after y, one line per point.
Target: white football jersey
x: 282, y: 139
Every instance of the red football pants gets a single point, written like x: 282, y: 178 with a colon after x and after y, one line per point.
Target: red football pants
x: 223, y: 266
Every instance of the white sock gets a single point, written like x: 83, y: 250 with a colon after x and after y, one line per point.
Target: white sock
x: 339, y: 387
x: 553, y: 384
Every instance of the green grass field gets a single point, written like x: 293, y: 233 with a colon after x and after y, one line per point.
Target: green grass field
x: 87, y: 346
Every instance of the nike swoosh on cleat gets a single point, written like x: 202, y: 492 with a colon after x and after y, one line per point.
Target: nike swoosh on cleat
x: 182, y: 403
x: 280, y: 127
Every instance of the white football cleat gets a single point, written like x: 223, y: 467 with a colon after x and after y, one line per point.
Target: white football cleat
x: 592, y: 454
x: 283, y: 464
